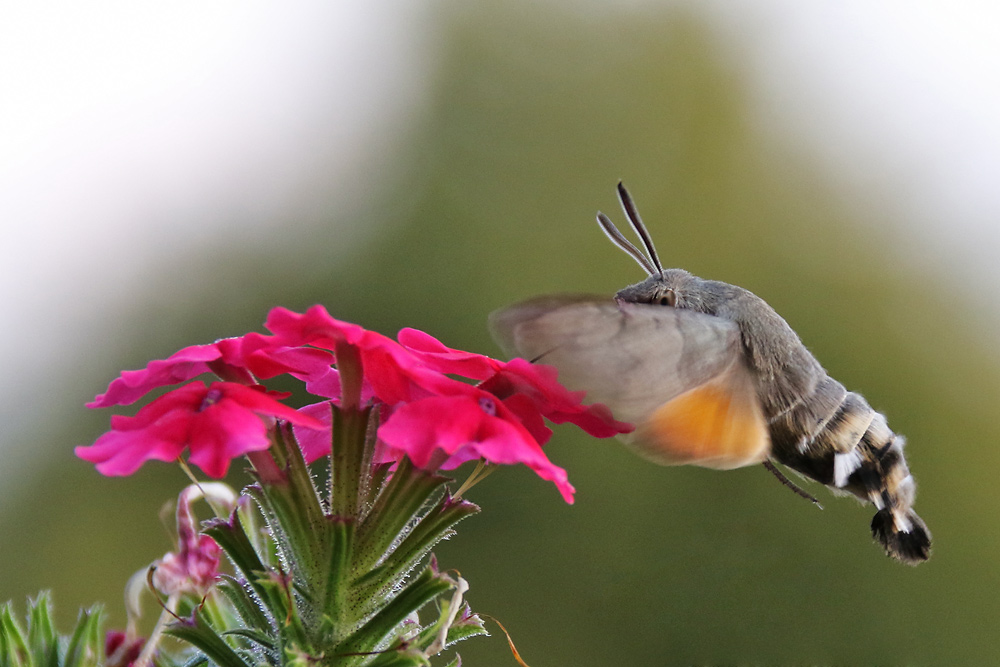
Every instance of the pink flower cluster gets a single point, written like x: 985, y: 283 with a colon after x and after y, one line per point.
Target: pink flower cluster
x: 427, y: 414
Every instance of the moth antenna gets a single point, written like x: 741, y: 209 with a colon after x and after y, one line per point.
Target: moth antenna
x: 628, y: 205
x: 619, y: 240
x: 790, y: 484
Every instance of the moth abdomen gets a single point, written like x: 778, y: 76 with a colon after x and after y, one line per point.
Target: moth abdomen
x: 850, y: 447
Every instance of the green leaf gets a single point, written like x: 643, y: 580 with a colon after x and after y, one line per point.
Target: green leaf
x: 395, y: 658
x: 428, y: 531
x: 13, y: 644
x: 292, y: 628
x: 259, y: 638
x: 196, y: 660
x: 428, y: 585
x: 42, y: 646
x: 460, y: 631
x: 199, y: 634
x: 232, y: 538
x: 336, y: 606
x: 248, y: 607
x: 42, y: 640
x: 84, y: 647
x: 379, y: 475
x: 400, y: 501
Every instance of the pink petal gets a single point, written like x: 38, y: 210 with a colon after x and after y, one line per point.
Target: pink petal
x: 438, y: 423
x: 389, y: 369
x: 316, y: 443
x: 539, y: 383
x: 223, y: 432
x: 527, y: 412
x: 217, y: 423
x: 178, y: 367
x: 465, y: 428
x: 119, y: 453
x: 266, y: 358
x: 314, y: 327
x: 438, y: 356
x: 259, y: 402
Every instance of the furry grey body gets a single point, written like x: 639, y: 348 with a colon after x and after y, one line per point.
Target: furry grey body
x: 816, y: 426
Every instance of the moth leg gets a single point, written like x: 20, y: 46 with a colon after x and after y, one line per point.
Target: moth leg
x: 790, y: 484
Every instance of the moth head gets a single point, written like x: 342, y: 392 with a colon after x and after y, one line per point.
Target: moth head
x: 663, y: 287
x: 671, y: 288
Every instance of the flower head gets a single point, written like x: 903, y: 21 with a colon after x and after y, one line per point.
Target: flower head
x: 429, y: 407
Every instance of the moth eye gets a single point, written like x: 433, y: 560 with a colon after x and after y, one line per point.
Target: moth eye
x: 667, y: 298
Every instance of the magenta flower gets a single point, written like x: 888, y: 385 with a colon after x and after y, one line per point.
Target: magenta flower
x: 441, y: 358
x: 231, y: 359
x: 215, y: 423
x: 445, y: 431
x: 391, y: 373
x: 178, y: 367
x: 529, y: 387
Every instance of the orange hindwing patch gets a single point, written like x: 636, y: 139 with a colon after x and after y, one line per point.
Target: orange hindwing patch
x: 715, y: 425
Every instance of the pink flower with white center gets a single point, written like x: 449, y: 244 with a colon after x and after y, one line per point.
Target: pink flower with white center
x: 215, y: 424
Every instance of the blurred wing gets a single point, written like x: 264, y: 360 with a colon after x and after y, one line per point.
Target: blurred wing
x: 678, y: 375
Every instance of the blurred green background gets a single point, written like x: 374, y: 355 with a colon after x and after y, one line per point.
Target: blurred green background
x: 534, y: 113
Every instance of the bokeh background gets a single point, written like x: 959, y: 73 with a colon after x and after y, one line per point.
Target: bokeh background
x: 169, y: 174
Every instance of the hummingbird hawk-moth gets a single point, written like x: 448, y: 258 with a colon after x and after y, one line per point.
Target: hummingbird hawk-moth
x: 710, y: 375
